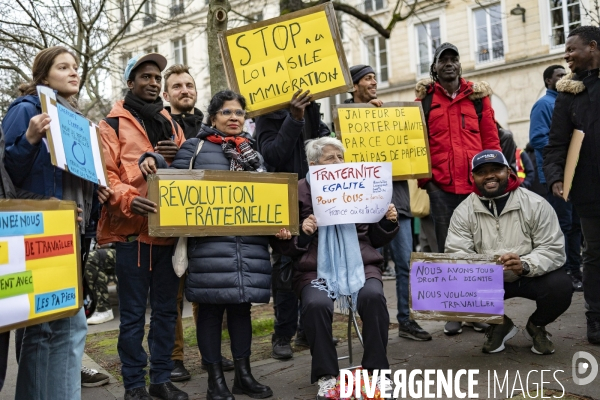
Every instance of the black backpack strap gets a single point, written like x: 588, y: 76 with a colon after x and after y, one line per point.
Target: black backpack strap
x: 113, y: 123
x: 426, y: 103
x: 478, y: 103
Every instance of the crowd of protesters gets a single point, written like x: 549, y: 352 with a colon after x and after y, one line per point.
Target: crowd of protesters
x: 486, y: 196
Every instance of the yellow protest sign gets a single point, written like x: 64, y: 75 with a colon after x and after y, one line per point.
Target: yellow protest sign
x: 40, y: 264
x: 268, y: 61
x: 222, y: 203
x: 392, y: 133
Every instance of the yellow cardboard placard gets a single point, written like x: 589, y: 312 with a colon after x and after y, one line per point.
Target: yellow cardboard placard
x: 41, y: 278
x: 393, y: 133
x: 269, y: 61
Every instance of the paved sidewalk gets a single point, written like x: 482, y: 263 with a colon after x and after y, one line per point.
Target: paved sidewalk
x: 290, y: 379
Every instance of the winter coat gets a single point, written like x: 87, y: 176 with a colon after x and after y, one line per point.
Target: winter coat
x: 527, y: 226
x: 222, y: 269
x: 121, y: 153
x: 7, y: 189
x: 400, y: 194
x: 539, y: 128
x: 29, y: 166
x: 303, y: 249
x: 455, y: 133
x: 190, y: 123
x: 576, y: 107
x: 281, y: 138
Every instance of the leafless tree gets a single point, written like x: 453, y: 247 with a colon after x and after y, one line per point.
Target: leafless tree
x: 84, y: 26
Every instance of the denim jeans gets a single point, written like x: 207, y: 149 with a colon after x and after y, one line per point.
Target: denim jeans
x: 570, y: 226
x: 50, y: 362
x: 134, y: 284
x: 591, y: 265
x: 401, y: 246
x: 442, y: 205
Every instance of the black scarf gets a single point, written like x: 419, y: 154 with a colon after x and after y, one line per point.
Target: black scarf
x: 157, y: 126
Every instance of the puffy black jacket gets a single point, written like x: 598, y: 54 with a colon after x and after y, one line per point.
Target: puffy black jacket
x: 221, y: 269
x: 576, y: 107
x: 281, y: 139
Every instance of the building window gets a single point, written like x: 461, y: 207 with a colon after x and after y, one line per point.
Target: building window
x: 564, y: 17
x: 378, y: 57
x: 149, y: 12
x: 179, y: 51
x: 429, y: 39
x: 488, y: 31
x: 125, y: 14
x: 176, y: 7
x: 374, y: 5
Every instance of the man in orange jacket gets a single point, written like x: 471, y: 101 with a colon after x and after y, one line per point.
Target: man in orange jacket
x: 134, y: 126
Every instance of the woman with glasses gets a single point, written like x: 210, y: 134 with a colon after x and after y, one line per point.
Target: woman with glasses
x: 224, y: 272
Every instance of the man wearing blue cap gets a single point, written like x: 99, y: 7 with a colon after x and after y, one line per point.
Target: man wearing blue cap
x: 500, y: 218
x: 134, y: 126
x: 365, y: 91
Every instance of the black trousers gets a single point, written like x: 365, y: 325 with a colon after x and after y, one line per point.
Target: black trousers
x: 208, y: 330
x: 4, y: 339
x: 551, y: 292
x: 591, y: 265
x: 442, y: 206
x: 317, y: 316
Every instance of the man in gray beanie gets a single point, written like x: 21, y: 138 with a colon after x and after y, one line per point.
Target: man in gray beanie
x: 365, y: 91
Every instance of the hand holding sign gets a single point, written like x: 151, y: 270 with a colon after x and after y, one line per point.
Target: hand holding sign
x: 37, y: 128
x: 299, y: 102
x: 512, y: 262
x: 309, y: 226
x: 391, y: 214
x: 104, y: 194
x: 142, y: 206
x: 148, y: 166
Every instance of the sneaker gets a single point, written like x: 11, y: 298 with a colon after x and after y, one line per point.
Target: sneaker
x: 92, y: 378
x: 179, y: 373
x: 327, y: 388
x: 138, y: 393
x: 593, y: 330
x: 384, y: 384
x: 477, y: 326
x: 453, y: 328
x: 282, y: 349
x: 300, y: 340
x: 100, y: 317
x: 497, y: 335
x: 409, y: 329
x: 577, y: 274
x: 540, y: 338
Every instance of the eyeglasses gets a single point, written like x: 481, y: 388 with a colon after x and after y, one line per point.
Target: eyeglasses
x: 226, y: 112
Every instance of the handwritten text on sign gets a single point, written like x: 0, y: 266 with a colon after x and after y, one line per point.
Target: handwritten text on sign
x: 77, y: 144
x: 474, y: 288
x: 385, y: 134
x: 211, y: 203
x: 350, y: 193
x: 274, y: 61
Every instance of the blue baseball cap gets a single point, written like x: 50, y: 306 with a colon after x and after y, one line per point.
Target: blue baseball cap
x: 488, y: 157
x: 134, y: 62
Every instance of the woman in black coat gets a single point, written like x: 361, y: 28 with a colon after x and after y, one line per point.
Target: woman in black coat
x: 224, y: 272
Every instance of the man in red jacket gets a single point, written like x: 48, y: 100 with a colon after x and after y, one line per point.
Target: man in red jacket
x: 460, y: 122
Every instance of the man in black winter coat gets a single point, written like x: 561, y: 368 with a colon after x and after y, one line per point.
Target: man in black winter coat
x: 280, y: 136
x: 9, y: 191
x: 180, y: 92
x: 576, y: 107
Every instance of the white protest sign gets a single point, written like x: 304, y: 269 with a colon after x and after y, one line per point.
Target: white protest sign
x: 73, y: 141
x: 350, y: 193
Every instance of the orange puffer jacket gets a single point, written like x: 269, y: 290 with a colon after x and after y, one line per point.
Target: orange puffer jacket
x: 121, y: 154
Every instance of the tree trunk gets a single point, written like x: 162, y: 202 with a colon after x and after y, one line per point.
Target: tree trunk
x: 217, y: 22
x: 288, y: 6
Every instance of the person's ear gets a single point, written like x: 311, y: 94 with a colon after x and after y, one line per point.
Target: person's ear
x: 130, y: 84
x: 593, y: 45
x: 166, y: 97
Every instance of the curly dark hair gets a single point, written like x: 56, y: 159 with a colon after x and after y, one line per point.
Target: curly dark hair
x: 548, y: 72
x: 217, y: 101
x: 587, y: 33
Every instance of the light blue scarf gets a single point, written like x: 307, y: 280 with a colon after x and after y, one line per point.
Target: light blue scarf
x: 340, y: 270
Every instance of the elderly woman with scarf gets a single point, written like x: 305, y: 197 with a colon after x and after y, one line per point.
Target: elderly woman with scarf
x: 224, y: 272
x: 339, y: 262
